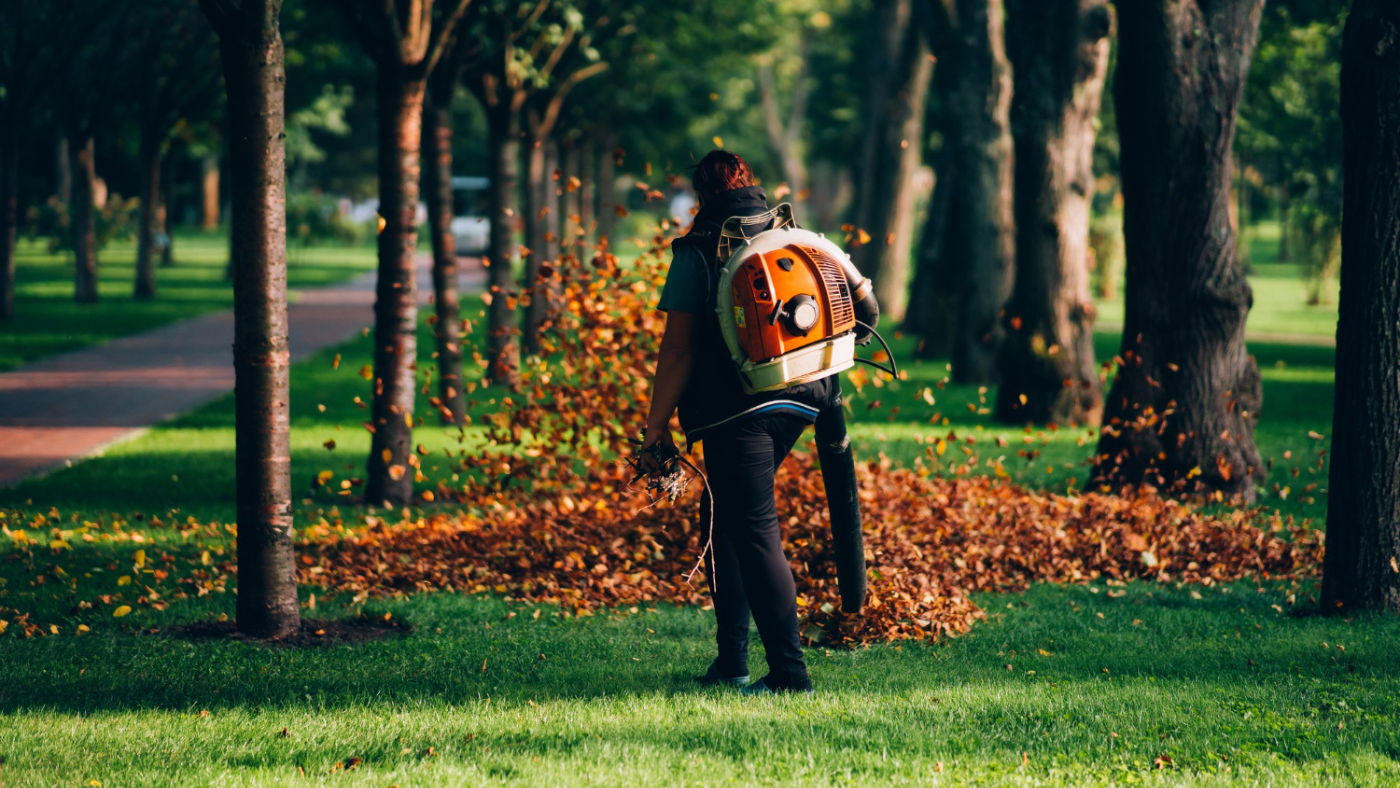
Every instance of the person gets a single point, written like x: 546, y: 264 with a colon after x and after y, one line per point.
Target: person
x: 744, y: 437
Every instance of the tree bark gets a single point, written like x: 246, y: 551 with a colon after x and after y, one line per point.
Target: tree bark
x: 1360, y: 570
x: 785, y: 134
x: 898, y: 70
x: 587, y: 191
x: 209, y: 193
x: 1059, y: 49
x: 607, y: 184
x: 9, y: 219
x: 390, y: 472
x: 149, y: 214
x: 64, y: 166
x: 167, y: 252
x: 541, y: 238
x: 981, y: 231
x: 502, y: 352
x: 250, y: 47
x: 933, y: 295
x: 447, y: 327
x: 82, y: 214
x: 1182, y: 409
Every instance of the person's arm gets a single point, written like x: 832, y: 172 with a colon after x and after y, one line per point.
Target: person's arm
x: 673, y: 365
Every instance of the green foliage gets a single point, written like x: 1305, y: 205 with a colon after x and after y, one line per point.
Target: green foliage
x: 313, y: 219
x: 1290, y: 128
x: 52, y: 221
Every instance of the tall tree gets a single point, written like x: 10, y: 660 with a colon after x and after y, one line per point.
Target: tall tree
x: 175, y: 75
x: 405, y: 39
x: 499, y: 82
x: 37, y: 40
x: 566, y: 65
x: 786, y: 130
x: 1360, y: 568
x: 898, y: 70
x: 1059, y: 50
x: 85, y: 97
x: 250, y: 48
x: 437, y: 182
x: 1183, y: 406
x: 977, y: 238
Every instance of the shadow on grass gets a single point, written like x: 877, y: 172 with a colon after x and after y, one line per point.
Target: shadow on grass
x: 464, y: 648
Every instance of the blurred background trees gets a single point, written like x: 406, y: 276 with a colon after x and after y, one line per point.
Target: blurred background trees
x: 967, y: 152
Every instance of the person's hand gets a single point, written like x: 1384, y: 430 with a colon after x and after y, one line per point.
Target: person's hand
x: 660, y: 437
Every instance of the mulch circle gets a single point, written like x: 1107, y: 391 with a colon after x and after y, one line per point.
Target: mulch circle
x: 313, y: 632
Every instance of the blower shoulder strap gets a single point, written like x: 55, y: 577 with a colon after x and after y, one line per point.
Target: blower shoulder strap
x: 737, y: 230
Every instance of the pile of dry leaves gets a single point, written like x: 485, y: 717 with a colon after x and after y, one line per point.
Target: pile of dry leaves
x: 544, y: 512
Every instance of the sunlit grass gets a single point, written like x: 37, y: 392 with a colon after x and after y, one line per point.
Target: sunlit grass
x: 48, y: 322
x: 1063, y: 686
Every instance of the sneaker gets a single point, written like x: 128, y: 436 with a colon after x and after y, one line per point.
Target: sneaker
x: 713, y: 677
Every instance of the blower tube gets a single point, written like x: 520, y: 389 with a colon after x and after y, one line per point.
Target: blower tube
x: 863, y: 300
x: 839, y: 476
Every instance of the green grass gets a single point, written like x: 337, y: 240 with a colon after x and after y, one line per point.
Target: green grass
x: 1280, y: 295
x: 48, y: 322
x: 1233, y: 689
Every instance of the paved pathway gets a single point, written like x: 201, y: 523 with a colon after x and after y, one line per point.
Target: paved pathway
x: 63, y: 408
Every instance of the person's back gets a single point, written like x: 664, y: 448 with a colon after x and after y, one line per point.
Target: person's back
x: 745, y: 438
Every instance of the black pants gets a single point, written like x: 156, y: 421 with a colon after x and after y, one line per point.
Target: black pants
x: 748, y: 569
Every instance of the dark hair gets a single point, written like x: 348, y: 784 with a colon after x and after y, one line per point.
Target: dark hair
x: 719, y: 172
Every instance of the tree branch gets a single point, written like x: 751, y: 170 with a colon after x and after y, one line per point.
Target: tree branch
x: 443, y: 34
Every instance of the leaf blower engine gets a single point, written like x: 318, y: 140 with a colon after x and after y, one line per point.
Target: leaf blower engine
x: 792, y: 308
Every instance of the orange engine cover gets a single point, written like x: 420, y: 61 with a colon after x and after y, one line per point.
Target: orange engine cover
x: 777, y: 293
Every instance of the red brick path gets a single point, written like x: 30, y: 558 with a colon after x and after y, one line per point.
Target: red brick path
x: 67, y: 407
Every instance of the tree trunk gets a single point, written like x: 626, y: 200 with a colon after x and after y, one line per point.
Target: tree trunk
x: 150, y: 159
x: 981, y: 231
x: 1182, y: 409
x: 933, y: 295
x: 501, y: 349
x: 1060, y: 52
x: 167, y: 252
x: 209, y: 193
x: 390, y: 472
x: 607, y: 184
x: 82, y: 214
x: 541, y: 238
x: 899, y: 70
x: 569, y: 198
x: 447, y: 328
x: 1360, y: 569
x: 9, y: 219
x: 250, y: 46
x: 65, y: 171
x: 587, y: 191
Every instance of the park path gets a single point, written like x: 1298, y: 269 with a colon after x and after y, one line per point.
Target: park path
x: 63, y: 408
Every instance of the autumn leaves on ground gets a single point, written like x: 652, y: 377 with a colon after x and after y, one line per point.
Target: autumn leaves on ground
x: 537, y: 639
x: 541, y: 510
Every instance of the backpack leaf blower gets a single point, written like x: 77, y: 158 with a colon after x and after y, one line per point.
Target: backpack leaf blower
x: 792, y: 307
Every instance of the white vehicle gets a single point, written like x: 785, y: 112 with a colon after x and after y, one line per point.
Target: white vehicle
x: 471, y: 223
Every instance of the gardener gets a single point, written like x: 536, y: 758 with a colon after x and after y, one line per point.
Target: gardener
x: 745, y: 438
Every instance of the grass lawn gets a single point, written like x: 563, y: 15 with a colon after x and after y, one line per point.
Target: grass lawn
x: 48, y: 322
x: 1102, y: 685
x: 1280, y: 294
